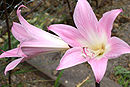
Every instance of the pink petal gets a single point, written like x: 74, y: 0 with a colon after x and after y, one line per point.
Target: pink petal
x: 106, y: 22
x: 31, y: 51
x: 32, y: 30
x: 19, y: 32
x: 71, y: 58
x: 46, y: 44
x: 117, y: 48
x: 85, y: 20
x: 12, y: 65
x: 46, y: 38
x: 17, y: 52
x: 69, y: 34
x: 98, y: 67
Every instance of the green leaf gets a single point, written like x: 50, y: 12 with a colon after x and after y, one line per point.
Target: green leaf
x: 58, y: 78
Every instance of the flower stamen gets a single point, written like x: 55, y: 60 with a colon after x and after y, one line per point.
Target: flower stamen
x: 87, y: 52
x: 93, y: 53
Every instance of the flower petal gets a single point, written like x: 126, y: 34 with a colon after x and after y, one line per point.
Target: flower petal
x: 106, y: 22
x: 98, y: 67
x: 39, y: 34
x: 117, y: 48
x: 19, y: 32
x: 69, y: 34
x: 31, y: 51
x: 46, y: 44
x: 71, y: 58
x: 12, y: 65
x: 32, y: 30
x: 17, y: 52
x: 85, y: 20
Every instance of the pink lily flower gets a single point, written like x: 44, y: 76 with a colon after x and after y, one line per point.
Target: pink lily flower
x: 33, y: 41
x: 91, y: 42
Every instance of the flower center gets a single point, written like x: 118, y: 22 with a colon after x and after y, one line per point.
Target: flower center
x: 93, y: 53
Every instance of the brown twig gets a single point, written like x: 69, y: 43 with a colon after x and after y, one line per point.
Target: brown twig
x: 80, y: 84
x: 9, y: 39
x: 70, y: 10
x: 33, y: 9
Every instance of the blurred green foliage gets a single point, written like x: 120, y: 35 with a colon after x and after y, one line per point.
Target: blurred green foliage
x: 14, y: 43
x: 123, y: 76
x: 47, y: 17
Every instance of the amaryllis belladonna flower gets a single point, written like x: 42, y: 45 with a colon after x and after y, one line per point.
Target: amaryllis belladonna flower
x: 91, y: 42
x: 33, y: 41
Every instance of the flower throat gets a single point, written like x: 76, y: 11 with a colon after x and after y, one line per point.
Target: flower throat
x: 93, y: 53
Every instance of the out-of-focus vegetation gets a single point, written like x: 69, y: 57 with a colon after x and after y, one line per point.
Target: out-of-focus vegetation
x: 123, y: 76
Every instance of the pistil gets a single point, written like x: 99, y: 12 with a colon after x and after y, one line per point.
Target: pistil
x: 92, y: 53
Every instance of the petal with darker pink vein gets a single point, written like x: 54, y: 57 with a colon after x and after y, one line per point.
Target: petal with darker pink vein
x: 106, y: 22
x: 71, y: 58
x: 39, y: 34
x: 17, y: 52
x: 85, y: 20
x: 33, y: 51
x: 19, y: 32
x: 12, y: 65
x: 32, y: 30
x: 117, y: 48
x: 30, y: 51
x: 98, y: 67
x: 69, y: 34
